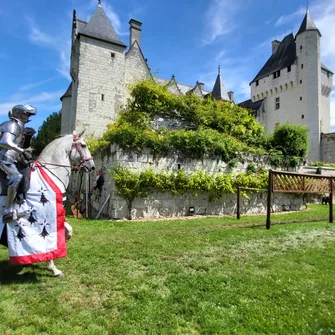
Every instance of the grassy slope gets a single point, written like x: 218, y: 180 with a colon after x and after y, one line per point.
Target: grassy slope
x: 180, y: 277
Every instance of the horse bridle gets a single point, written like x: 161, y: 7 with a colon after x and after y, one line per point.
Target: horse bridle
x: 77, y: 146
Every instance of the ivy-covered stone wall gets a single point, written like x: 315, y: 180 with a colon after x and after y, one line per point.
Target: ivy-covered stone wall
x: 159, y: 204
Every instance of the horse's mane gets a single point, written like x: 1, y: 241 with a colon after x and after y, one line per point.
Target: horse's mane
x: 54, y: 147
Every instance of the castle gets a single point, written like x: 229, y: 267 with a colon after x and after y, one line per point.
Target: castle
x: 293, y: 85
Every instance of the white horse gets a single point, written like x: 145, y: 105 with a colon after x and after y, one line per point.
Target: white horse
x: 54, y: 164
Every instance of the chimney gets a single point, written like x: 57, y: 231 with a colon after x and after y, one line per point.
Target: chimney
x: 201, y: 85
x: 275, y: 45
x: 135, y: 32
x: 231, y: 96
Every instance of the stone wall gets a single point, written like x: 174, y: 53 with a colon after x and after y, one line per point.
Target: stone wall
x: 328, y: 148
x: 166, y: 204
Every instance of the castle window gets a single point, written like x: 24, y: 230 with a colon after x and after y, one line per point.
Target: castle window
x: 102, y: 97
x: 277, y: 103
x: 289, y: 68
x: 302, y: 66
x: 300, y: 98
x: 276, y: 74
x: 113, y: 54
x: 257, y: 82
x: 300, y: 47
x: 300, y: 81
x: 302, y: 116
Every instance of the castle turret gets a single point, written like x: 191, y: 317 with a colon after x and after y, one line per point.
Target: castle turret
x: 97, y: 71
x: 219, y: 90
x: 308, y: 70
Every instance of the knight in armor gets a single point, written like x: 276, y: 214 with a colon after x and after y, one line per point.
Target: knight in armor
x: 11, y: 142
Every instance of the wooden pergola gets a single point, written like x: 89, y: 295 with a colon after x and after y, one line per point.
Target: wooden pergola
x: 292, y: 182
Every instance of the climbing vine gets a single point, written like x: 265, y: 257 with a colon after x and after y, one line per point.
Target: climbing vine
x: 206, y: 129
x: 131, y: 185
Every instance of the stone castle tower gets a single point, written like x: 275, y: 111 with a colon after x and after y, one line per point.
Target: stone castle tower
x: 101, y: 69
x: 294, y: 86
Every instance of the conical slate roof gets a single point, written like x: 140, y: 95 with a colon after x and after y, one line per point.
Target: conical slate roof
x: 219, y: 91
x: 100, y: 27
x: 307, y: 24
x: 68, y: 92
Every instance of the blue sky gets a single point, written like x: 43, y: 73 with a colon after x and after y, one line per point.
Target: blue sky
x: 186, y: 38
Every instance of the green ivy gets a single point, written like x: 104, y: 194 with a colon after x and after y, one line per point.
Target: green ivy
x: 214, y: 129
x: 131, y: 185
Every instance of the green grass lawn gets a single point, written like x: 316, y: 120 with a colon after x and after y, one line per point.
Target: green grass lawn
x: 201, y: 276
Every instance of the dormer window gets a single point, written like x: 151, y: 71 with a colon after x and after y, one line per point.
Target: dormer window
x: 276, y: 74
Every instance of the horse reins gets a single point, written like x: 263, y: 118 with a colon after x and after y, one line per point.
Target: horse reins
x: 80, y: 151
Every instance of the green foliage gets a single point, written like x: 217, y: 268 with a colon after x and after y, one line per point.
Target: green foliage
x: 199, y: 276
x: 251, y: 168
x: 131, y: 185
x: 215, y: 128
x: 332, y: 165
x: 49, y: 130
x: 212, y: 129
x: 291, y: 140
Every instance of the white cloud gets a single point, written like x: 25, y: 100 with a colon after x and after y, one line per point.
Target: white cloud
x: 64, y: 66
x: 37, y: 36
x: 286, y: 19
x: 30, y: 86
x: 59, y: 43
x: 44, y: 100
x: 219, y: 56
x: 219, y: 19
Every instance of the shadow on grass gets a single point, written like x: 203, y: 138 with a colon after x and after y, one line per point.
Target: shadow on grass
x: 18, y: 274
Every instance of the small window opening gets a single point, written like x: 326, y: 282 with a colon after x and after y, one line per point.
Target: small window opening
x: 300, y: 81
x: 300, y: 47
x: 289, y: 68
x: 179, y: 166
x: 276, y: 74
x: 302, y: 66
x: 112, y: 54
x: 277, y: 103
x: 257, y: 82
x: 300, y: 98
x: 102, y: 97
x: 302, y: 116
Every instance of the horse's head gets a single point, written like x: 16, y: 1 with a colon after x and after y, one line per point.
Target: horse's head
x: 79, y: 155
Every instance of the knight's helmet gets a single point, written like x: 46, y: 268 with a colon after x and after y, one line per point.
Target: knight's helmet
x: 22, y: 112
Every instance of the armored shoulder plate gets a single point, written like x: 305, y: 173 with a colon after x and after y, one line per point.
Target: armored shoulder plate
x: 13, y: 127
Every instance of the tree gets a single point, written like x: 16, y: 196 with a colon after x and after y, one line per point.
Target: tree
x: 49, y: 130
x: 291, y: 140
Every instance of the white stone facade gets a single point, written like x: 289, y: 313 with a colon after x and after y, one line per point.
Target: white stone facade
x: 101, y: 72
x: 299, y: 93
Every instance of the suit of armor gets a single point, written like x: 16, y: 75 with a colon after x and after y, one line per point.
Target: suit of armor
x: 11, y: 137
